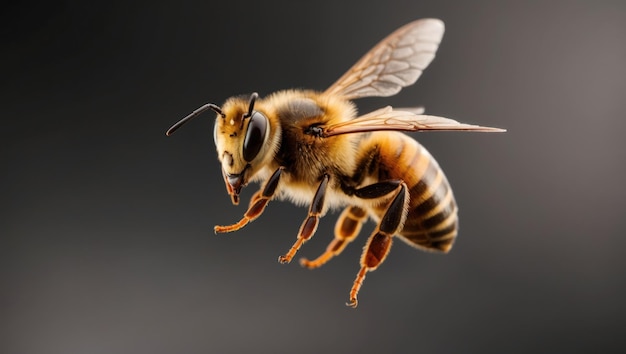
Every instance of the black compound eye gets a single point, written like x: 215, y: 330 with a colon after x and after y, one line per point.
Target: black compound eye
x: 215, y: 132
x: 255, y: 136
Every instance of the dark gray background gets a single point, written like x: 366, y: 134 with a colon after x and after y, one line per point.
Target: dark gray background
x: 106, y: 230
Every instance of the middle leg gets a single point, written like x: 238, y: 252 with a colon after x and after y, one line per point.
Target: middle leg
x: 349, y: 224
x: 309, y: 226
x: 346, y: 230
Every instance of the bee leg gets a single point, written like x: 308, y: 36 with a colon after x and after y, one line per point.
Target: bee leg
x: 310, y: 223
x: 346, y: 230
x: 257, y: 204
x: 379, y: 243
x: 349, y: 224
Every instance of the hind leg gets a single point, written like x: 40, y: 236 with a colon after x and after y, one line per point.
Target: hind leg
x: 379, y: 243
x: 346, y: 230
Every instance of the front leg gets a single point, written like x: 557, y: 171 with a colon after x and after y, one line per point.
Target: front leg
x: 310, y: 223
x: 257, y: 204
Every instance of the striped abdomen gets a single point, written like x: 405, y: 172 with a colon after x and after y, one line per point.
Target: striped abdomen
x: 431, y: 221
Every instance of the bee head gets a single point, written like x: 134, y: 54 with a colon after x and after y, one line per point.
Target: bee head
x: 244, y: 130
x: 241, y: 136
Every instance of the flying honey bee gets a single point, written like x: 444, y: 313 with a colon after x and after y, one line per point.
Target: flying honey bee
x: 313, y: 149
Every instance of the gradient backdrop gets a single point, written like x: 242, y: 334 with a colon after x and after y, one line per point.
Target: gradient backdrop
x: 106, y: 230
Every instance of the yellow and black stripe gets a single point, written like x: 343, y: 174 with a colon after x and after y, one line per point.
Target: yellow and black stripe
x: 431, y: 221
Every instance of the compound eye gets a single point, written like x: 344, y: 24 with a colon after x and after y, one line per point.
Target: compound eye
x: 215, y: 132
x: 255, y: 136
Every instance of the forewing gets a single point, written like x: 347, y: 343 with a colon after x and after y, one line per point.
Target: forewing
x: 414, y: 110
x: 397, y: 61
x: 389, y: 119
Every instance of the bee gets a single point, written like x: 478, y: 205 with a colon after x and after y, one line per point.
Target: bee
x: 314, y: 149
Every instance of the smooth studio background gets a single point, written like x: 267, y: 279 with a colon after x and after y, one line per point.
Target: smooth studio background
x: 106, y: 229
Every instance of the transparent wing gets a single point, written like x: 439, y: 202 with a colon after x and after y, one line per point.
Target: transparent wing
x: 414, y: 110
x: 389, y: 119
x: 397, y: 61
